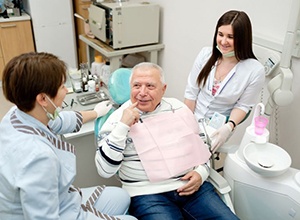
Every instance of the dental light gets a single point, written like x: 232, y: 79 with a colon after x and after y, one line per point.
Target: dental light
x: 280, y: 86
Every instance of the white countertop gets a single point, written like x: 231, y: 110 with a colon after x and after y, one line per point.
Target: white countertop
x: 87, y: 128
x: 109, y: 52
x: 24, y: 17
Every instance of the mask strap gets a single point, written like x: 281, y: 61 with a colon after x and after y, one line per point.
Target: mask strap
x: 56, y: 111
x: 49, y: 115
x: 51, y: 101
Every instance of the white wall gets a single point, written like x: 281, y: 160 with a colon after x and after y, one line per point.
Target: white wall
x: 187, y: 26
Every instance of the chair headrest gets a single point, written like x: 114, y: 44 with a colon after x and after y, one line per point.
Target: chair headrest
x: 118, y: 85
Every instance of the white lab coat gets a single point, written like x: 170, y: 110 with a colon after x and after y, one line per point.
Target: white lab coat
x: 239, y: 89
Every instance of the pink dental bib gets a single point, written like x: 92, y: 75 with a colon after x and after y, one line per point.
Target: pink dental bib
x: 169, y: 144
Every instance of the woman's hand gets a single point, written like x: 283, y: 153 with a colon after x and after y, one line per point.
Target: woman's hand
x: 102, y: 108
x: 220, y: 136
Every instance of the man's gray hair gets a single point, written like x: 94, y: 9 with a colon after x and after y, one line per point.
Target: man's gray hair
x: 146, y: 66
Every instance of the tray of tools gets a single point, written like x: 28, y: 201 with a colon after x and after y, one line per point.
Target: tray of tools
x: 92, y: 97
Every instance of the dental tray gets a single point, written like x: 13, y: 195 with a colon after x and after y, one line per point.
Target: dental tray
x: 90, y: 98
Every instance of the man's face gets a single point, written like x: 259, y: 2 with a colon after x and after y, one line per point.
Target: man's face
x: 146, y: 89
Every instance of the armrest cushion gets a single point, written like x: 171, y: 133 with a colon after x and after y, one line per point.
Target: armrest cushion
x: 219, y: 182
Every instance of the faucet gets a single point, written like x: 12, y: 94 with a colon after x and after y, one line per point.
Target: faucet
x: 249, y: 135
x: 259, y: 110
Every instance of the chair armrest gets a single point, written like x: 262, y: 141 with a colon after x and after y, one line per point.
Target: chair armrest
x: 219, y: 182
x: 227, y: 148
x: 221, y: 185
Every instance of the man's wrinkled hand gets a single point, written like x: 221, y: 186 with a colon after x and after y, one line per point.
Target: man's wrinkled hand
x: 194, y: 183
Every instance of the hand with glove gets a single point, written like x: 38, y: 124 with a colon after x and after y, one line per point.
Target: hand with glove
x: 220, y: 136
x: 102, y: 108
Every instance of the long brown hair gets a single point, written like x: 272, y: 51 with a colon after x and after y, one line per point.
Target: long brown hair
x: 242, y: 36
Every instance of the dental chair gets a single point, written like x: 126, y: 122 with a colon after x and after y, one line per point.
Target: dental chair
x: 218, y: 181
x: 215, y: 178
x: 119, y: 89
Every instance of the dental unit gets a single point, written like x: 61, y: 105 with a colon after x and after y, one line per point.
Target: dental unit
x: 263, y: 183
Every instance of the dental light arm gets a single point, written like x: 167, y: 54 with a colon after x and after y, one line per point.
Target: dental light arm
x: 280, y: 86
x: 280, y: 90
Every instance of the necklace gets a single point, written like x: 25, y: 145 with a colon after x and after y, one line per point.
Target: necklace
x: 223, y: 69
x: 220, y: 78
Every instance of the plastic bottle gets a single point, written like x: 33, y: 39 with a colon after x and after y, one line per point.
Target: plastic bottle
x: 84, y: 70
x: 97, y: 83
x: 85, y: 86
x: 97, y: 66
x: 91, y: 85
x: 105, y: 75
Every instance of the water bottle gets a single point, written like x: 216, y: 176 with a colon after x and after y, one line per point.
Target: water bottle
x: 105, y: 75
x: 97, y: 66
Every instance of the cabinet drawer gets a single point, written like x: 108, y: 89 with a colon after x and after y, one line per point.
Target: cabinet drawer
x: 16, y: 38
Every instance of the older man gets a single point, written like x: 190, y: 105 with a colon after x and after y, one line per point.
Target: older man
x: 152, y: 144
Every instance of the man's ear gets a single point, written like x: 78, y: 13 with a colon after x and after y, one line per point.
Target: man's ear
x: 41, y: 99
x: 165, y: 88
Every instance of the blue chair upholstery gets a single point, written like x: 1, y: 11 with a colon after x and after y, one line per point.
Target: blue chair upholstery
x: 118, y: 85
x: 119, y: 91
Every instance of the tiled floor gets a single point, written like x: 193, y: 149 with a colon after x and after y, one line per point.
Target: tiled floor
x: 4, y: 104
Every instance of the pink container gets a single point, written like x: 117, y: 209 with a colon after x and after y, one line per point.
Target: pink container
x: 261, y: 123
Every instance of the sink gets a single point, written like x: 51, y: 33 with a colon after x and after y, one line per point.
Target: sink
x: 267, y: 159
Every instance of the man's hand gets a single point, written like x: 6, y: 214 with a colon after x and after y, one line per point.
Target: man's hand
x: 194, y: 182
x: 130, y: 115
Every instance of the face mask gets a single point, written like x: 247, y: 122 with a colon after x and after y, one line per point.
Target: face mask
x: 56, y: 111
x: 229, y: 54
